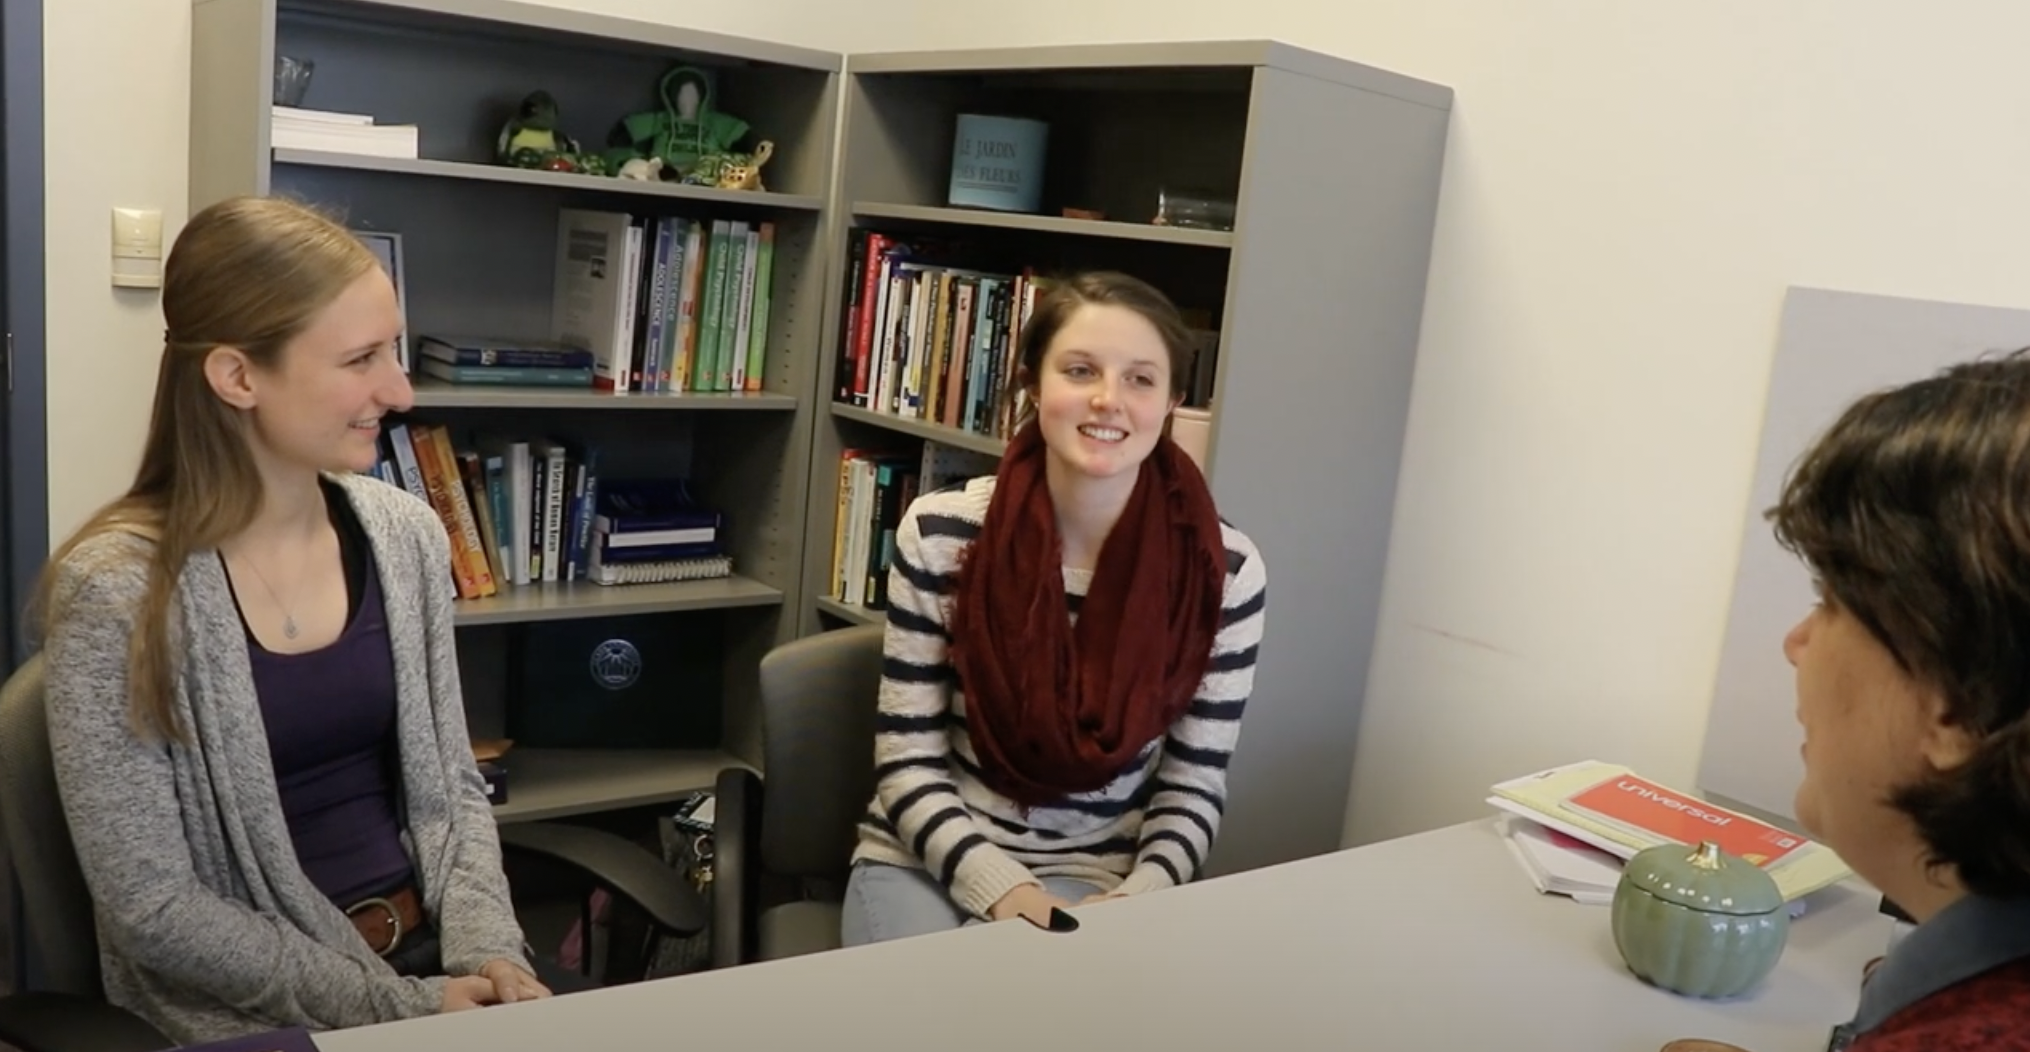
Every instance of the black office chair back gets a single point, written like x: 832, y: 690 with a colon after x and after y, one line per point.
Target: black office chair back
x: 58, y: 906
x: 818, y: 697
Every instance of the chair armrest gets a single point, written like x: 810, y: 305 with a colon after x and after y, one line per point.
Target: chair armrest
x: 736, y: 867
x: 50, y: 1022
x: 619, y: 865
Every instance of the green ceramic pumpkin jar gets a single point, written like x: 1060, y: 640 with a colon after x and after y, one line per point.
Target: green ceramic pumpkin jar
x: 1697, y: 921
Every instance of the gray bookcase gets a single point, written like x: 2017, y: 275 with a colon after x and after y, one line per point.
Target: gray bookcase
x: 479, y: 242
x: 1317, y: 293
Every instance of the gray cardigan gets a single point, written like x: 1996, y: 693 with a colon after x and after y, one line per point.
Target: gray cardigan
x: 208, y: 926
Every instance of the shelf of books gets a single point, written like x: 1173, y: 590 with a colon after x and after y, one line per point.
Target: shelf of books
x: 605, y: 238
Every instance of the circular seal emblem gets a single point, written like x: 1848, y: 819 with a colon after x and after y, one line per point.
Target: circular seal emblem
x: 616, y: 664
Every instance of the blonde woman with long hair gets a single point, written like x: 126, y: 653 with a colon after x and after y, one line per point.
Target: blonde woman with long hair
x: 252, y: 685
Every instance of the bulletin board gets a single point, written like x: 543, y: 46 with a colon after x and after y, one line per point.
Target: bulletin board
x: 1833, y: 347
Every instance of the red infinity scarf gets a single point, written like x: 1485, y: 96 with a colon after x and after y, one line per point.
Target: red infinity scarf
x: 1052, y: 708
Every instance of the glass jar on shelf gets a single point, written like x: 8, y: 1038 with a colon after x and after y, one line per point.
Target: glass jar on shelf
x: 1193, y: 208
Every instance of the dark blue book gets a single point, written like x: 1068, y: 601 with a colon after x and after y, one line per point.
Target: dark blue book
x: 527, y: 354
x: 610, y: 554
x: 650, y: 505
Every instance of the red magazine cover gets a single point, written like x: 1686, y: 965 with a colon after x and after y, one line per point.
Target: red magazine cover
x: 1648, y: 809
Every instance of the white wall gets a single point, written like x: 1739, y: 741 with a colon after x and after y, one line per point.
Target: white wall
x: 1629, y: 190
x: 116, y: 128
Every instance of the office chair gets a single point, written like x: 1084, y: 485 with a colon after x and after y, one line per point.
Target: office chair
x: 796, y: 825
x: 69, y: 1012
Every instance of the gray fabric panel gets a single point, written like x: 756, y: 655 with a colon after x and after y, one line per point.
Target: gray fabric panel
x: 818, y: 697
x: 57, y: 905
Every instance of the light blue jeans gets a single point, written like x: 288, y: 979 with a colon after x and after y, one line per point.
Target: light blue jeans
x: 893, y: 902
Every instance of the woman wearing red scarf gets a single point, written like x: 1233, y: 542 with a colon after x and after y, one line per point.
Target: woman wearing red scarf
x: 1070, y: 645
x: 1913, y: 687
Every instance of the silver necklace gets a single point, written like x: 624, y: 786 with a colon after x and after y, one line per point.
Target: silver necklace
x: 288, y: 616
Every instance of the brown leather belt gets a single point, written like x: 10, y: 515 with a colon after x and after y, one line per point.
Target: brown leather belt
x: 384, y: 919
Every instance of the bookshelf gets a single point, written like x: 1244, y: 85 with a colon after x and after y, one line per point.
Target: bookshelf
x: 1315, y: 295
x: 479, y: 251
x: 557, y: 783
x: 1311, y: 301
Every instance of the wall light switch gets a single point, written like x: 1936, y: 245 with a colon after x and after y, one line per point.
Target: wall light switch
x: 137, y: 248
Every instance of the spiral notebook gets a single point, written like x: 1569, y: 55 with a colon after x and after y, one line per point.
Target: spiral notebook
x: 658, y: 571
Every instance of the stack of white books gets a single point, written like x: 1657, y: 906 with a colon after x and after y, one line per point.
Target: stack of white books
x: 332, y: 132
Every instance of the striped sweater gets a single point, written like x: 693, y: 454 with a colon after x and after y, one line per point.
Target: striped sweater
x: 1150, y: 828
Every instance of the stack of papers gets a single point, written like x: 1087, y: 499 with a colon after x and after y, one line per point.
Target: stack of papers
x: 1561, y: 865
x: 1609, y: 809
x: 327, y: 130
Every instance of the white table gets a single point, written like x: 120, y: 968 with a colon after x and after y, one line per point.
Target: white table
x: 1434, y: 942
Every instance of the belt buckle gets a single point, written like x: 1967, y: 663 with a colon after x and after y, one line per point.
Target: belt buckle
x: 394, y: 920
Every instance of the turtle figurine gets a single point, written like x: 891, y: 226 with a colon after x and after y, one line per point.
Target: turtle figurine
x: 531, y: 138
x: 729, y: 169
x: 740, y: 172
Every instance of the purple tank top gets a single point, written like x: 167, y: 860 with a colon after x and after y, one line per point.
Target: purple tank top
x: 330, y: 715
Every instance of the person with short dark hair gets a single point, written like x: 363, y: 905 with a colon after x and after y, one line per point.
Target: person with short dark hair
x: 1913, y: 687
